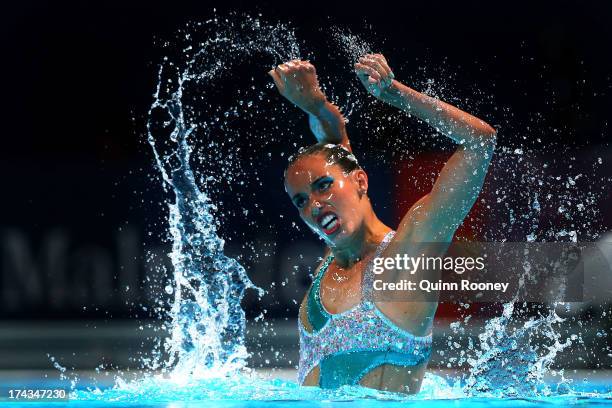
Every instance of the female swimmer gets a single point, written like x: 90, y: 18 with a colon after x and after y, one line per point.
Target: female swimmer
x: 346, y: 336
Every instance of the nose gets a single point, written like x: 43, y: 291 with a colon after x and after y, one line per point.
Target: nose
x: 316, y: 208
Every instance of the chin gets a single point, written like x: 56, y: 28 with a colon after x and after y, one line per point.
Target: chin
x: 341, y: 235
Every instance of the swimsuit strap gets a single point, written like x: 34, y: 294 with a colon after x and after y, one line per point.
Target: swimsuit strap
x: 348, y: 345
x: 317, y: 315
x: 368, y: 275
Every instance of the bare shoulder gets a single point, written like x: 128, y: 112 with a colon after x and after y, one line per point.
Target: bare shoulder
x: 411, y: 227
x: 414, y: 238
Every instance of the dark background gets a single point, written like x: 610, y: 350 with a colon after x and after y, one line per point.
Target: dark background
x: 79, y: 206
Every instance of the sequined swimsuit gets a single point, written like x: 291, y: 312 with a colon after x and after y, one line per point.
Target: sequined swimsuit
x: 348, y: 345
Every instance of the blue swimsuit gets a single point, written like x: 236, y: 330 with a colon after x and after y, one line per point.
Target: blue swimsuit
x: 348, y: 345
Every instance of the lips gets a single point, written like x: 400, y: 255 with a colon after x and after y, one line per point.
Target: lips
x: 329, y: 223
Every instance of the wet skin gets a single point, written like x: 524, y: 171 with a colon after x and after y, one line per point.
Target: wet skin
x: 317, y: 188
x: 336, y: 206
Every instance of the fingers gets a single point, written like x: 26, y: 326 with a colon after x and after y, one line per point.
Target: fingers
x: 381, y: 58
x: 282, y: 69
x: 362, y: 69
x: 295, y: 66
x: 293, y: 74
x: 373, y: 69
x: 307, y: 66
x: 278, y: 81
x: 377, y: 63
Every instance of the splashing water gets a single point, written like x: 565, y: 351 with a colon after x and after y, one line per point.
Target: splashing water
x: 207, y: 321
x: 204, y: 358
x: 513, y: 357
x: 206, y: 318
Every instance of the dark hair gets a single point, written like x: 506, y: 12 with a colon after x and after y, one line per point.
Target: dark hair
x: 333, y: 153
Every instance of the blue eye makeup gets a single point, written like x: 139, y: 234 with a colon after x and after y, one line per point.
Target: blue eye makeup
x: 299, y: 201
x: 323, y: 183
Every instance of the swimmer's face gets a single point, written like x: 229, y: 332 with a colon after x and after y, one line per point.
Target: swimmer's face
x: 332, y: 203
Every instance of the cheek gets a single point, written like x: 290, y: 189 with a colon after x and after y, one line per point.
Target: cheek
x: 345, y: 195
x: 308, y: 222
x: 306, y: 218
x: 303, y: 216
x: 347, y: 201
x: 303, y: 213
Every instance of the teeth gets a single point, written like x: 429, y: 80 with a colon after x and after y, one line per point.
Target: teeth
x: 329, y: 221
x: 332, y: 224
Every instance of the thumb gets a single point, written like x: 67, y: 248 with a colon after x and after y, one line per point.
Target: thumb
x: 277, y: 80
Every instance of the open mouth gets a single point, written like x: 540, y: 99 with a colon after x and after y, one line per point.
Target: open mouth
x: 328, y: 222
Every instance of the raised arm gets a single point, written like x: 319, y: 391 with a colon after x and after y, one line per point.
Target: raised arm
x: 435, y: 217
x: 297, y: 81
x: 440, y: 213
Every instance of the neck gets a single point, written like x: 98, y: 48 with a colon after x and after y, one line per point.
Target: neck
x: 362, y: 243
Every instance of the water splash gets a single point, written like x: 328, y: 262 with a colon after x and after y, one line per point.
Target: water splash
x: 206, y: 319
x: 515, y: 351
x: 246, y: 388
x: 206, y: 342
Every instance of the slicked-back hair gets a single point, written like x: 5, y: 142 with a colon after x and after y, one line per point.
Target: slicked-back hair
x: 333, y: 154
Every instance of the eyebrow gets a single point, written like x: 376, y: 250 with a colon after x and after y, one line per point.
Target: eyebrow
x: 318, y: 180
